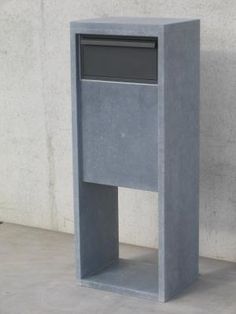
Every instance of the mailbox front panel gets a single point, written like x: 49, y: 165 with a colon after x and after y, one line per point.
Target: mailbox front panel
x: 119, y: 134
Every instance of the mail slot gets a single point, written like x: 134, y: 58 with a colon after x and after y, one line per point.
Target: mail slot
x: 119, y: 58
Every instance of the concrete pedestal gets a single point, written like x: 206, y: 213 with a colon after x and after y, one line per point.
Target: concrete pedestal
x: 143, y: 136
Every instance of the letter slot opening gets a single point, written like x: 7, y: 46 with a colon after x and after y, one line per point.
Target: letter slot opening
x: 119, y: 58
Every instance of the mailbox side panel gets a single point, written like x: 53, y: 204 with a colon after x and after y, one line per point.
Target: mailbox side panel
x: 95, y: 206
x: 178, y: 170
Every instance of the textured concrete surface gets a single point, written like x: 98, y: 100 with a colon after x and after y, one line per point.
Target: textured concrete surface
x: 35, y: 122
x: 100, y: 153
x: 37, y: 276
x: 125, y: 152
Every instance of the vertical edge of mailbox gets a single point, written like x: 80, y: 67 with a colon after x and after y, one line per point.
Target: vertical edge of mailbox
x: 75, y: 144
x: 95, y: 205
x: 178, y: 163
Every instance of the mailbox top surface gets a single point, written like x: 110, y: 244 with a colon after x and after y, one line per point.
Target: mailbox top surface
x: 155, y: 21
x: 133, y: 26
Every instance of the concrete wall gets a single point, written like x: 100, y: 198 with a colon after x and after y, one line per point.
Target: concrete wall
x: 35, y: 118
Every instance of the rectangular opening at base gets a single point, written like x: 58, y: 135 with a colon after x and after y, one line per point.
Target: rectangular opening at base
x: 136, y: 273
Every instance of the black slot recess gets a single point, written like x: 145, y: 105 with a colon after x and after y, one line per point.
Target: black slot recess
x: 118, y: 58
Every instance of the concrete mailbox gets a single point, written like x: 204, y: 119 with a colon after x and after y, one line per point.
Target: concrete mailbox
x: 135, y: 98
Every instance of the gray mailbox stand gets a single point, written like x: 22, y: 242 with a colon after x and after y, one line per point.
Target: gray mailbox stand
x: 135, y: 97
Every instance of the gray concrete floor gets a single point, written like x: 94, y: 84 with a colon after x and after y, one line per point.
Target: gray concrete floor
x: 37, y: 276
